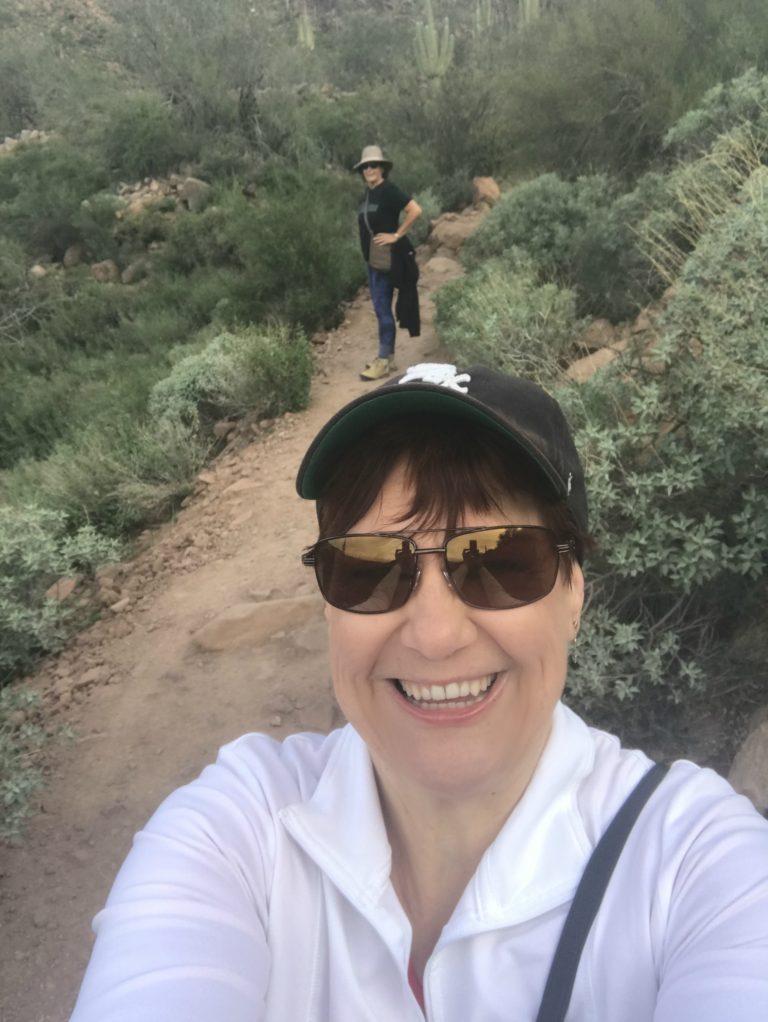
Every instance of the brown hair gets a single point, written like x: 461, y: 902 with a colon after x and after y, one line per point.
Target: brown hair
x: 452, y: 466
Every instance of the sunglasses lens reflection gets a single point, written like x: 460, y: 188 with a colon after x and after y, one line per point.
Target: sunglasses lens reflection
x: 366, y: 574
x: 493, y: 569
x: 500, y: 569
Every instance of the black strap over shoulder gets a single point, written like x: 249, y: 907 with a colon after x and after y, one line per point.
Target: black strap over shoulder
x: 589, y: 895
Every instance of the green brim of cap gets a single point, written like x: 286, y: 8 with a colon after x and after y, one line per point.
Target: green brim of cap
x: 358, y: 417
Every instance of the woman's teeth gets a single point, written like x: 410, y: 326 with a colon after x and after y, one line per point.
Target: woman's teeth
x: 456, y: 694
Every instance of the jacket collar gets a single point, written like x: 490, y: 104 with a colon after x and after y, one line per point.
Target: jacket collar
x: 534, y: 864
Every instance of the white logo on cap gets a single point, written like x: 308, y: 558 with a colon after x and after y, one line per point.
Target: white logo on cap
x: 439, y: 373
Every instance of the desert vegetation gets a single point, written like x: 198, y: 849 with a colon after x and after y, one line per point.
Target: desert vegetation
x: 177, y: 216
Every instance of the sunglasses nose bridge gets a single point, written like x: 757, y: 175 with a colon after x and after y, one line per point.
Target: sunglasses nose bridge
x: 439, y: 551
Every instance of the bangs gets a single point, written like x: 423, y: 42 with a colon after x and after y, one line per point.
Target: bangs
x: 452, y: 467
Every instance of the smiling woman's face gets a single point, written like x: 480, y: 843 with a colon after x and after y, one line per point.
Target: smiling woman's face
x: 509, y: 667
x: 373, y: 174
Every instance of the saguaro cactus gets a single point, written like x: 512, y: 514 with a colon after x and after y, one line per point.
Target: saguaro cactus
x: 433, y: 48
x: 529, y: 11
x: 306, y: 31
x: 484, y: 19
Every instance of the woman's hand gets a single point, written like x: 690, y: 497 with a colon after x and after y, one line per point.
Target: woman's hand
x: 385, y: 239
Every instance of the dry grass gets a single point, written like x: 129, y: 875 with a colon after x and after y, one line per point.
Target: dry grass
x: 701, y: 191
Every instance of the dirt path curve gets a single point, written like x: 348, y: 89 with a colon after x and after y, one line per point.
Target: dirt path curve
x: 153, y: 690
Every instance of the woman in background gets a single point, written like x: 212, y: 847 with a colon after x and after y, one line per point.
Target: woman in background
x: 386, y: 250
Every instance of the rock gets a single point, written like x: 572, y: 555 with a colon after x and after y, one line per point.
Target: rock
x: 247, y: 624
x: 584, y: 369
x: 600, y: 333
x: 749, y: 773
x: 194, y: 193
x: 451, y: 231
x: 485, y: 190
x: 445, y: 266
x: 121, y: 605
x: 93, y: 676
x: 206, y: 478
x: 106, y: 272
x: 223, y: 429
x: 63, y: 588
x: 242, y: 486
x: 38, y: 271
x: 642, y: 323
x: 74, y: 255
x: 135, y: 271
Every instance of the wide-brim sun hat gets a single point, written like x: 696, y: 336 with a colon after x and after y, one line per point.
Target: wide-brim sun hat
x: 372, y: 154
x: 518, y: 409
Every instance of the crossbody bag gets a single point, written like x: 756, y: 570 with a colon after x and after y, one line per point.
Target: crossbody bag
x: 379, y: 256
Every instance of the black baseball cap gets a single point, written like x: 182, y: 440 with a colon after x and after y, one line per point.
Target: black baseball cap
x: 518, y: 409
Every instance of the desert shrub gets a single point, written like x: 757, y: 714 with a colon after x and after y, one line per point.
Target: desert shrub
x: 24, y: 303
x: 361, y: 47
x: 500, y: 315
x: 674, y: 446
x: 700, y: 190
x: 116, y: 474
x: 292, y: 252
x: 18, y: 107
x: 141, y: 136
x: 264, y: 370
x: 430, y: 210
x: 580, y: 235
x: 595, y: 84
x: 725, y: 107
x: 95, y: 225
x: 36, y: 547
x: 42, y: 186
x: 21, y: 742
x: 541, y: 216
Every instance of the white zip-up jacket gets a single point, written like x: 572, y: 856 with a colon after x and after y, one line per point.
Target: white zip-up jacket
x: 261, y: 891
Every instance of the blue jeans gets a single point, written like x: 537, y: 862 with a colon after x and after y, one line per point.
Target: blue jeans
x: 382, y: 292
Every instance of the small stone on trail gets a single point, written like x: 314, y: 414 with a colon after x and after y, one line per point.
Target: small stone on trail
x: 275, y: 721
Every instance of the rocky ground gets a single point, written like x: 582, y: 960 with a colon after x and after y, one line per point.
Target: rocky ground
x: 216, y: 630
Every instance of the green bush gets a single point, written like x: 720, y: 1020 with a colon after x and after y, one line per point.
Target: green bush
x: 543, y: 217
x: 266, y: 371
x: 35, y: 549
x: 725, y: 107
x: 698, y: 191
x: 430, y: 210
x: 117, y: 474
x: 142, y: 136
x: 42, y: 188
x: 18, y: 108
x: 21, y: 744
x: 596, y: 84
x: 580, y: 235
x: 500, y: 315
x: 292, y: 253
x: 674, y: 445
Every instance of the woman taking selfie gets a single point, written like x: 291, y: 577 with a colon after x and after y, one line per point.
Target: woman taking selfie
x: 389, y: 254
x: 450, y: 853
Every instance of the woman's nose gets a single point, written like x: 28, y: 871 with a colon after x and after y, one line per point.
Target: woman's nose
x: 437, y: 623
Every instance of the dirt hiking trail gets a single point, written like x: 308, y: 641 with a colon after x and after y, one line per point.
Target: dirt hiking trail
x: 217, y: 630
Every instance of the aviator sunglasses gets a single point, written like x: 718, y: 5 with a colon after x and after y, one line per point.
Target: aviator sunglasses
x: 498, y: 567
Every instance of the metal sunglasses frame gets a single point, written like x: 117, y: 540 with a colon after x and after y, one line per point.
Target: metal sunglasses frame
x: 309, y: 560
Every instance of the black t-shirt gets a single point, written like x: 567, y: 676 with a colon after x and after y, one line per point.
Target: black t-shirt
x: 385, y: 204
